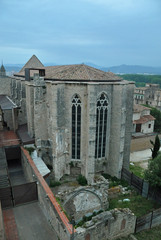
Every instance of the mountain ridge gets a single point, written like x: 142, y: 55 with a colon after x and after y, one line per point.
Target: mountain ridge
x: 120, y: 69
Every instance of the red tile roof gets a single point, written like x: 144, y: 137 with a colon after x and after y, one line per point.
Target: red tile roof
x: 144, y: 119
x: 73, y: 72
x: 8, y: 138
x: 139, y: 108
x: 33, y: 62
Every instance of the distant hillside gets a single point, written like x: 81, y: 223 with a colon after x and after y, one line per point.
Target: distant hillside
x: 122, y: 69
x: 133, y: 69
x: 140, y: 79
x: 12, y: 68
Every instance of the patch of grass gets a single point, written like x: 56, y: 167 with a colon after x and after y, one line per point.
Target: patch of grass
x: 54, y: 183
x: 137, y: 204
x: 137, y: 170
x: 59, y: 201
x: 114, y: 181
x: 124, y: 238
x: 151, y: 234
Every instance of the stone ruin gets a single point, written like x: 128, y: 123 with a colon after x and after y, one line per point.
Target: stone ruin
x: 85, y: 200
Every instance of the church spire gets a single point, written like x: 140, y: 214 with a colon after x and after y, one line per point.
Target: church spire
x: 2, y: 70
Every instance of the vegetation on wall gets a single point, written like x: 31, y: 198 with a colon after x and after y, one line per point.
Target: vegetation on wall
x: 30, y: 149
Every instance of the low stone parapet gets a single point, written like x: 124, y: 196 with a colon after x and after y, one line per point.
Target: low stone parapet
x: 52, y: 210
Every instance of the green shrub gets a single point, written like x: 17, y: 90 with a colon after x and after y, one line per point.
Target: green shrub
x: 82, y: 180
x: 71, y: 164
x: 114, y: 181
x: 30, y: 149
x: 54, y: 183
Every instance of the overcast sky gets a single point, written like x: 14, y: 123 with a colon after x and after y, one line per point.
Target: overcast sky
x: 104, y: 32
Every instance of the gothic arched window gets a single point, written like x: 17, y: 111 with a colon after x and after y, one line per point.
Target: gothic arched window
x: 76, y: 127
x: 101, y: 126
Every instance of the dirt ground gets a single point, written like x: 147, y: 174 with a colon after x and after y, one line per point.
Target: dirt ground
x: 142, y: 143
x: 140, y: 150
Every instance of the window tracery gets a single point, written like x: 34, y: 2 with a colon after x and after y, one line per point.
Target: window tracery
x: 101, y: 126
x: 76, y: 127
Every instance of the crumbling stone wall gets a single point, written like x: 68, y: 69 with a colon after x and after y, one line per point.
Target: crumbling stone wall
x: 108, y: 225
x: 84, y: 200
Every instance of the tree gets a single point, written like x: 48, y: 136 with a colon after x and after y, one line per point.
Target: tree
x: 153, y: 173
x: 157, y: 115
x: 156, y: 146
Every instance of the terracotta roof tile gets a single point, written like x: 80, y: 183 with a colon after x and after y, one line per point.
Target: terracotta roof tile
x: 68, y: 72
x: 33, y: 62
x: 139, y: 108
x: 8, y: 138
x: 144, y: 119
x: 78, y: 72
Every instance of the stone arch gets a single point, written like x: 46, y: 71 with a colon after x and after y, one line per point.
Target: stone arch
x: 74, y: 95
x: 104, y: 93
x: 75, y: 193
x: 102, y: 106
x: 76, y: 127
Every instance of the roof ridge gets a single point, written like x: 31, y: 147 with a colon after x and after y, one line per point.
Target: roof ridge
x: 87, y: 70
x: 34, y: 57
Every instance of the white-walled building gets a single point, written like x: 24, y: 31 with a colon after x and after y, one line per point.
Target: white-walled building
x: 143, y: 122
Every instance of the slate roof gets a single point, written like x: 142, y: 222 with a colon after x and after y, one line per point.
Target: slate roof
x: 2, y: 69
x: 6, y: 103
x: 33, y: 62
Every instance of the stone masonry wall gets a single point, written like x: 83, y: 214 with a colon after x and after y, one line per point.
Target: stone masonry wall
x: 49, y: 205
x: 128, y: 125
x: 30, y: 108
x: 2, y: 230
x: 5, y: 83
x: 18, y: 95
x: 108, y: 225
x: 59, y: 98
